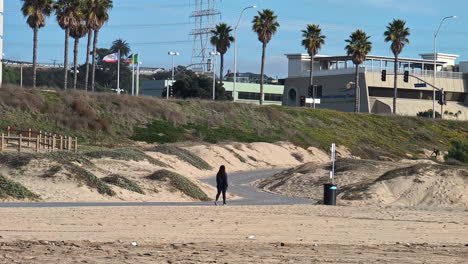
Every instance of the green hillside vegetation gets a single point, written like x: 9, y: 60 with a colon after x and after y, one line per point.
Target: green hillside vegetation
x: 113, y: 120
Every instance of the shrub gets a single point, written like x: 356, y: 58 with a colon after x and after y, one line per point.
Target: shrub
x: 428, y: 114
x: 180, y: 183
x: 458, y: 151
x: 123, y: 183
x: 90, y: 179
x: 9, y: 188
x: 15, y: 160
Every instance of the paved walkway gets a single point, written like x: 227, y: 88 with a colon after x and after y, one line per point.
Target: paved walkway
x: 239, y: 185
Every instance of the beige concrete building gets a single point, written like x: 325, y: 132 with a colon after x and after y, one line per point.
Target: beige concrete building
x: 335, y: 76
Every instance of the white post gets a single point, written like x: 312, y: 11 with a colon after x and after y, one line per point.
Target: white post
x: 133, y: 77
x: 138, y: 77
x: 434, y: 79
x: 172, y: 78
x: 234, y: 92
x: 435, y: 65
x: 214, y: 54
x: 171, y: 53
x: 333, y: 152
x: 118, y: 70
x: 214, y: 77
x: 21, y: 75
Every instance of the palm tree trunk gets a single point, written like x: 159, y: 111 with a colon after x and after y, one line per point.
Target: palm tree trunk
x: 395, y: 84
x: 93, y: 76
x: 88, y: 50
x: 357, y: 105
x: 75, y: 63
x: 65, y: 59
x: 261, y: 73
x: 36, y: 33
x: 221, y: 69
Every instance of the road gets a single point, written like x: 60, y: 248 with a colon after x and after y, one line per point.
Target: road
x: 239, y: 186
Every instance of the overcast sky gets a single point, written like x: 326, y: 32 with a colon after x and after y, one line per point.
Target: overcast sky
x: 154, y: 27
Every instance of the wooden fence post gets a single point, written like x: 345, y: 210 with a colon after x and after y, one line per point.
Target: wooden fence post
x: 40, y: 138
x: 29, y: 137
x: 20, y: 141
x: 49, y: 141
x: 76, y: 144
x: 61, y: 142
x: 2, y: 142
x: 38, y: 143
x: 53, y: 143
x: 8, y: 135
x: 70, y: 143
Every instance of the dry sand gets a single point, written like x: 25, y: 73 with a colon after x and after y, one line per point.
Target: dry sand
x: 281, y: 234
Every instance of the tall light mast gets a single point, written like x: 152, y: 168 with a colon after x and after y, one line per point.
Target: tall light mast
x: 204, y: 19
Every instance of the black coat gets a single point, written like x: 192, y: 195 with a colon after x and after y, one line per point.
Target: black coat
x: 221, y: 180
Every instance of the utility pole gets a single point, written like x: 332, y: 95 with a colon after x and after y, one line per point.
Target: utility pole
x: 1, y: 42
x: 21, y: 75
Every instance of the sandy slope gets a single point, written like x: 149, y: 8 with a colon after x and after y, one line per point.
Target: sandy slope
x: 366, y: 182
x: 236, y: 157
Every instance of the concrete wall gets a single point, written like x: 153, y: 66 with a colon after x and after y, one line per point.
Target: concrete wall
x: 449, y: 85
x: 335, y: 94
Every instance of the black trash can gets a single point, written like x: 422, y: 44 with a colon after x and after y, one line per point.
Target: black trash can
x: 329, y: 194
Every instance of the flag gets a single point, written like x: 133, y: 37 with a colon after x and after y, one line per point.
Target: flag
x: 132, y: 59
x: 129, y: 60
x: 114, y: 57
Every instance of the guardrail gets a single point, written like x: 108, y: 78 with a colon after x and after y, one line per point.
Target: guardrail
x: 29, y: 140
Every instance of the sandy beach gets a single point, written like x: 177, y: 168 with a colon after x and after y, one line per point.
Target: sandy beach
x: 250, y: 234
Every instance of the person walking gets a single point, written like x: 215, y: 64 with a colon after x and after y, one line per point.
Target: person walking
x: 221, y: 184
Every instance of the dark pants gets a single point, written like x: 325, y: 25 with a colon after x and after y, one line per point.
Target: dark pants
x: 221, y: 190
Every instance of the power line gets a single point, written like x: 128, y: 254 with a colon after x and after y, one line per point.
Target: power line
x: 104, y: 44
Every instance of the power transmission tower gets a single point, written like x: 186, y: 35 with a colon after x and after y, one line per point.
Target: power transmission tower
x: 204, y: 19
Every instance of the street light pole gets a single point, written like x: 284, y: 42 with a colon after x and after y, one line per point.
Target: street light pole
x: 234, y: 94
x: 171, y: 53
x: 214, y: 54
x: 435, y: 66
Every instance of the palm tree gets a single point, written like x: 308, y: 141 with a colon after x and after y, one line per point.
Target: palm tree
x: 222, y: 39
x: 97, y: 15
x: 77, y: 32
x: 358, y: 48
x: 36, y: 12
x: 397, y: 33
x: 265, y: 25
x: 312, y: 42
x: 68, y: 14
x: 121, y: 46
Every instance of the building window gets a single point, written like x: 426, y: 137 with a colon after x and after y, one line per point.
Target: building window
x: 414, y: 94
x: 256, y: 96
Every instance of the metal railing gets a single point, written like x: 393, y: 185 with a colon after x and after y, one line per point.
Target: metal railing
x: 419, y: 73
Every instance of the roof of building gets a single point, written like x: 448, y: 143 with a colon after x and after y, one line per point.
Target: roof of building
x: 368, y: 57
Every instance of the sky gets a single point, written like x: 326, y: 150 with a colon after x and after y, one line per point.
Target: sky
x: 154, y: 27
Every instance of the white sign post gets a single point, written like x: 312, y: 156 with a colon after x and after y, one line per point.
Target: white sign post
x: 332, y: 172
x: 118, y: 90
x: 312, y: 100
